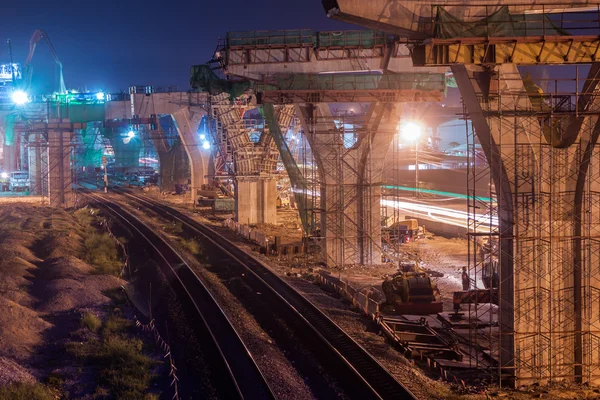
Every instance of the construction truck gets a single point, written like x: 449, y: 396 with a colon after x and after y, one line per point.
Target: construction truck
x: 411, y: 291
x: 404, y: 231
x: 19, y: 181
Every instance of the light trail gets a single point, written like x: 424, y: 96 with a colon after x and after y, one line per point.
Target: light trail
x: 442, y: 214
x: 437, y: 192
x: 436, y: 213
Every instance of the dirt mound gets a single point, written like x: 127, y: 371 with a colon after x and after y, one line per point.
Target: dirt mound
x: 14, y: 277
x: 63, y: 244
x: 11, y: 372
x: 63, y: 267
x: 20, y: 329
x: 66, y: 284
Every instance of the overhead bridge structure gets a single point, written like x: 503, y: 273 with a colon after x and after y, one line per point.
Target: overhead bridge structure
x: 539, y: 134
x: 305, y: 73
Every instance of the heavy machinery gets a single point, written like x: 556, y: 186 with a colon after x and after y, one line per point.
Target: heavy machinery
x: 411, y: 291
x: 404, y: 231
x: 28, y: 70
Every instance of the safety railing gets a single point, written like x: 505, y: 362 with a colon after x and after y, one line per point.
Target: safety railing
x: 302, y: 37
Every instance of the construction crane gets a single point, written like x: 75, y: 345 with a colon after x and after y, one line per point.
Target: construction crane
x: 35, y: 38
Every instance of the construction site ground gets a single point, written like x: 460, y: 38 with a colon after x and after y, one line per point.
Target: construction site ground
x: 446, y: 256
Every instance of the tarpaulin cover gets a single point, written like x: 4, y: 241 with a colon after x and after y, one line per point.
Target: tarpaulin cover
x: 203, y: 78
x: 270, y: 38
x: 9, y: 134
x: 388, y: 81
x: 499, y: 24
x: 362, y: 39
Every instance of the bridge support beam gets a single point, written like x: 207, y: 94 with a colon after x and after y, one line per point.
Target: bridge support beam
x: 60, y: 177
x: 255, y: 164
x: 187, y: 120
x: 547, y: 200
x: 350, y: 153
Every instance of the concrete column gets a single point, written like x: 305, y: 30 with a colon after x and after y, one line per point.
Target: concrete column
x: 59, y: 169
x: 38, y: 165
x: 187, y: 120
x: 540, y: 167
x: 351, y: 176
x: 256, y: 200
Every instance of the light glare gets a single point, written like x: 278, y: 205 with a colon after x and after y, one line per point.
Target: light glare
x: 131, y: 134
x: 411, y: 131
x: 206, y: 145
x: 100, y: 96
x: 19, y: 97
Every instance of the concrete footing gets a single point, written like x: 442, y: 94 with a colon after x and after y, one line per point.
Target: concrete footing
x: 256, y: 200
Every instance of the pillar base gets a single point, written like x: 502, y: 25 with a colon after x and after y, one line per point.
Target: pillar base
x: 256, y: 200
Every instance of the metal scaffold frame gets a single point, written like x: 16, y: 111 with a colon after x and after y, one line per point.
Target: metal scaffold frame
x: 552, y: 297
x: 339, y: 176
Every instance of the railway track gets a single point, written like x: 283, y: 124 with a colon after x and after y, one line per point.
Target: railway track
x: 355, y: 367
x: 238, y: 375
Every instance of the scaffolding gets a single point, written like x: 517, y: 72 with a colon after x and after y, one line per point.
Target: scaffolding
x: 543, y: 233
x: 340, y: 188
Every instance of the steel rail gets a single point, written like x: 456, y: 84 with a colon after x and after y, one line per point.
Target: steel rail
x: 360, y: 366
x: 245, y: 378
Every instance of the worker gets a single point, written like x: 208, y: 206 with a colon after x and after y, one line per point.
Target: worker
x: 466, y: 281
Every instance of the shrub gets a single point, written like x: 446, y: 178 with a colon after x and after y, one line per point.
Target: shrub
x: 101, y: 252
x: 123, y: 369
x: 191, y: 245
x: 90, y: 321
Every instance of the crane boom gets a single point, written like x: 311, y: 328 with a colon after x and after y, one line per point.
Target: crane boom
x: 38, y: 34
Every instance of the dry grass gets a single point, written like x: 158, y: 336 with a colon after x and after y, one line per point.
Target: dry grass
x: 191, y: 246
x: 122, y: 370
x: 101, y: 252
x: 90, y: 322
x: 27, y: 391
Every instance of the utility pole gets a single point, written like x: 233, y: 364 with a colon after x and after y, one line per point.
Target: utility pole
x: 105, y: 164
x: 12, y: 67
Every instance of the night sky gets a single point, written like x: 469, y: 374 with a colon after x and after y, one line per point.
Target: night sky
x: 113, y: 44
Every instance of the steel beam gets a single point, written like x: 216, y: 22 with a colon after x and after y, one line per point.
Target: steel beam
x: 530, y: 50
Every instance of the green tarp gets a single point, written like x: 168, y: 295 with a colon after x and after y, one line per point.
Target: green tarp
x: 266, y: 38
x: 204, y: 79
x: 9, y: 133
x: 389, y: 81
x: 499, y: 24
x: 362, y: 39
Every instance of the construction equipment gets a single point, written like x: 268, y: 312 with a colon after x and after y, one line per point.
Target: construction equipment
x: 35, y: 38
x: 404, y: 231
x: 411, y: 291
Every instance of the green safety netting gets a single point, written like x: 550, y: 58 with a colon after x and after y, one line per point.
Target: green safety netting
x: 281, y: 37
x: 388, y: 81
x: 364, y: 39
x: 92, y: 150
x: 499, y: 24
x: 203, y: 78
x: 299, y: 185
x: 9, y: 133
x: 77, y: 112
